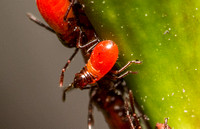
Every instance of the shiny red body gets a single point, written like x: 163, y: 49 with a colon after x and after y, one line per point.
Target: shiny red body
x: 53, y: 12
x: 102, y: 58
x: 101, y: 61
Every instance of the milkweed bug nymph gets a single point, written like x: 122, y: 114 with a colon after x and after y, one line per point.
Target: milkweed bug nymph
x: 102, y: 59
x: 68, y: 21
x: 63, y: 17
x: 163, y: 126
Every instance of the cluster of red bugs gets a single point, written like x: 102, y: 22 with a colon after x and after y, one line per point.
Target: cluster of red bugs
x: 70, y: 32
x: 68, y: 21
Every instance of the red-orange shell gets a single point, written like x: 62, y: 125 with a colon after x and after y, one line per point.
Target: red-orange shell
x: 102, y: 58
x: 53, y: 11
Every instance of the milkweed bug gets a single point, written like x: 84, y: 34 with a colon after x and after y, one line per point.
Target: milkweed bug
x: 63, y: 17
x: 78, y: 22
x: 67, y: 19
x: 102, y: 59
x: 163, y: 126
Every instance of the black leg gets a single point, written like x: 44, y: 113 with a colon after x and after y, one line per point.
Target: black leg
x: 87, y: 44
x: 69, y: 8
x: 66, y: 65
x: 90, y: 115
x: 37, y: 21
x: 127, y: 72
x: 90, y: 108
x: 128, y: 114
x: 133, y: 124
x: 79, y: 45
x: 138, y: 126
x: 126, y: 66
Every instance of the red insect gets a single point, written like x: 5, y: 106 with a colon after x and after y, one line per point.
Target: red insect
x: 163, y: 126
x: 54, y: 12
x: 101, y: 61
x: 68, y: 20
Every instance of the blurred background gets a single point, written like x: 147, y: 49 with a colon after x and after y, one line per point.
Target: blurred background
x: 31, y: 61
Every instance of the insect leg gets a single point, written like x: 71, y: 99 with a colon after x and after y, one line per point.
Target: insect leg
x: 127, y: 65
x: 79, y: 45
x: 90, y: 115
x: 87, y: 44
x: 138, y: 126
x: 66, y: 65
x: 37, y: 21
x: 69, y: 8
x: 128, y: 114
x: 124, y: 67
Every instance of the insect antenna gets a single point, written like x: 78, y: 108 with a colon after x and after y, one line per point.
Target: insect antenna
x: 70, y: 87
x: 37, y: 21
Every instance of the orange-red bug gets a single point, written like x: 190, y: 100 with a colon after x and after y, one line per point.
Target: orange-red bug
x: 102, y: 59
x: 67, y: 19
x: 79, y: 23
x: 53, y: 12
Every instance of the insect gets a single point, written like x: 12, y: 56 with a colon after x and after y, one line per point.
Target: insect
x: 163, y: 126
x: 68, y: 21
x: 84, y: 37
x: 63, y: 17
x: 102, y: 59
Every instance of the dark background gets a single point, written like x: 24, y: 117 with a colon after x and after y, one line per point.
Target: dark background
x: 31, y: 61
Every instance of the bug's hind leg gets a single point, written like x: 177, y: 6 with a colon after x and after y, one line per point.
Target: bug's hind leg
x: 134, y: 123
x: 66, y: 65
